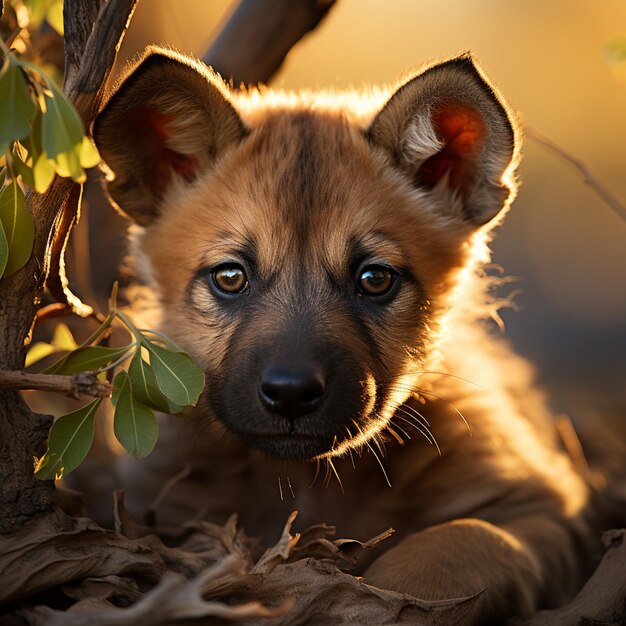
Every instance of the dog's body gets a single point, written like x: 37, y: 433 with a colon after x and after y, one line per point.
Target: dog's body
x: 322, y: 263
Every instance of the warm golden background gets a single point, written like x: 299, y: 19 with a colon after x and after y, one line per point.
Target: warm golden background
x: 548, y: 58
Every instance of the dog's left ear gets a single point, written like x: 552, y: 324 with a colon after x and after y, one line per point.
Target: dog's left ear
x: 450, y: 133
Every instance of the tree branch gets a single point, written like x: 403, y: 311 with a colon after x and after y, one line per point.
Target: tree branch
x: 77, y: 33
x: 611, y: 200
x: 74, y: 386
x: 258, y: 36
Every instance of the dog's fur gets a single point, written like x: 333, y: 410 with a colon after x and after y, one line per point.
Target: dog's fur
x: 301, y: 190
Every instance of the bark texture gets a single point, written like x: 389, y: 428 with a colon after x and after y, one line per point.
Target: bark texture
x: 91, y: 50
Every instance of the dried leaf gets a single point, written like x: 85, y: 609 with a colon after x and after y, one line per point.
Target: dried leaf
x: 173, y: 599
x: 281, y: 551
x: 55, y: 549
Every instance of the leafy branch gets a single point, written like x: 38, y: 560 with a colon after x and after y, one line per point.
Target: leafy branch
x: 40, y: 134
x: 160, y: 377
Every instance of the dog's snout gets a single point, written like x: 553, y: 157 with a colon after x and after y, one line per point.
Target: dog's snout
x: 292, y: 391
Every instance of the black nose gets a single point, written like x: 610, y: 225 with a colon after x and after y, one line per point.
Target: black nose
x: 292, y: 391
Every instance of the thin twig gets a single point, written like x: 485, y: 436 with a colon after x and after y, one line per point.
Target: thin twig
x: 74, y: 386
x: 588, y: 178
x: 62, y: 309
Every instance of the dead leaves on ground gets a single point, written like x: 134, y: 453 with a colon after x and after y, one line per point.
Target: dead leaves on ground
x: 199, y: 573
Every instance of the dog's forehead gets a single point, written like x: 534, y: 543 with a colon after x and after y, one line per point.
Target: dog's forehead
x: 306, y: 188
x: 306, y: 185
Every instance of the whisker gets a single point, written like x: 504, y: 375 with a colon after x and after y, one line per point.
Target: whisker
x: 411, y: 422
x: 430, y: 393
x: 394, y: 434
x: 379, y: 462
x: 293, y: 495
x: 317, y: 472
x: 351, y: 458
x: 280, y: 489
x: 418, y: 415
x: 326, y: 481
x: 448, y: 374
x: 332, y: 465
x: 414, y: 417
x: 400, y: 429
x: 427, y: 435
x: 419, y: 390
x: 380, y: 444
x: 350, y: 448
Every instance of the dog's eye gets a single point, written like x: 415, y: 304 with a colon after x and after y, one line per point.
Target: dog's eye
x: 376, y: 281
x: 230, y: 278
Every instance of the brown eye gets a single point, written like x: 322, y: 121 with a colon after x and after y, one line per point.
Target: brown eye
x: 376, y: 280
x: 230, y: 279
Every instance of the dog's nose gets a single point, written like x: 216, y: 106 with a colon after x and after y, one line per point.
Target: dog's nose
x: 292, y: 392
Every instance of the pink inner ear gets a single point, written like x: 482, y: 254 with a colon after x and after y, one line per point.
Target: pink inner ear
x: 151, y: 130
x: 463, y: 132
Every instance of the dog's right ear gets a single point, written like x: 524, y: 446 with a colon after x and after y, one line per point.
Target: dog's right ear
x: 170, y: 117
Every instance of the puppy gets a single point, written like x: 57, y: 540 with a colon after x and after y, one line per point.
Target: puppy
x: 321, y: 255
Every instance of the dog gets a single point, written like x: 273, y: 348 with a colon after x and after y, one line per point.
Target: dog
x: 322, y: 255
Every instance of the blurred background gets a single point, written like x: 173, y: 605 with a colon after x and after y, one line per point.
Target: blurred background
x: 551, y: 60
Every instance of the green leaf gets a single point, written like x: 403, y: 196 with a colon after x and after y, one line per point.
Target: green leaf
x: 144, y: 385
x: 178, y: 377
x: 17, y: 105
x: 18, y: 227
x: 4, y: 250
x: 70, y: 440
x: 62, y: 340
x: 134, y: 424
x: 118, y: 382
x: 21, y: 166
x: 62, y: 134
x: 87, y: 359
x: 43, y: 167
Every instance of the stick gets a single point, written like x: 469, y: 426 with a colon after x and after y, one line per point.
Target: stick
x: 582, y: 169
x: 74, y: 386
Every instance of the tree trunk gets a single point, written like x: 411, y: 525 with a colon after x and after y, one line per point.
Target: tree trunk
x: 90, y: 53
x: 23, y: 434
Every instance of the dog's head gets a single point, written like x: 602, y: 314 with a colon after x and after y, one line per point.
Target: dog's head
x: 302, y: 255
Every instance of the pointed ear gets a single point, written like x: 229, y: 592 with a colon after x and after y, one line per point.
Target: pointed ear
x: 451, y: 134
x: 171, y: 117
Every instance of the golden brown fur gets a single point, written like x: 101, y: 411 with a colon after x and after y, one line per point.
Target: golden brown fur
x: 296, y: 180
